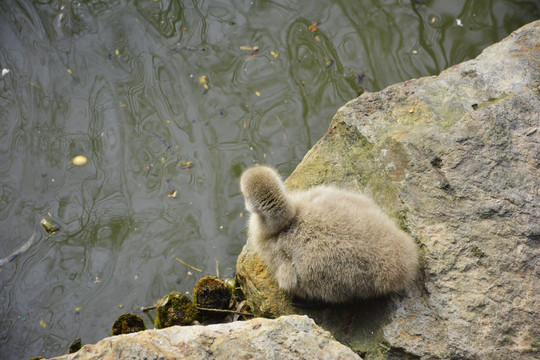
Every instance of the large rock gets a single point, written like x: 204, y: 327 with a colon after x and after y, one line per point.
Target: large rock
x: 455, y: 160
x: 289, y: 337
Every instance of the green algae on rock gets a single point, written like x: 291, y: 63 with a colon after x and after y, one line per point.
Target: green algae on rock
x: 125, y: 324
x: 175, y: 309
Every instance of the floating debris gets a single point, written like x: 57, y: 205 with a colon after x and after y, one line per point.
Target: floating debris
x: 328, y: 63
x: 254, y: 50
x: 204, y: 81
x: 79, y: 160
x: 49, y: 227
x: 172, y: 190
x: 257, y: 93
x: 43, y: 323
x: 5, y: 72
x: 161, y: 140
x: 458, y: 22
x: 274, y: 54
x: 192, y: 267
x: 187, y: 48
x: 69, y: 71
x: 313, y: 27
x: 186, y: 165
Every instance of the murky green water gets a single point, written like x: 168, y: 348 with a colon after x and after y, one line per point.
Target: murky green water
x: 121, y: 83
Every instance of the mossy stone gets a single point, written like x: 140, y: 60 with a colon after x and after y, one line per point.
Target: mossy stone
x: 211, y: 292
x: 128, y: 323
x: 175, y: 309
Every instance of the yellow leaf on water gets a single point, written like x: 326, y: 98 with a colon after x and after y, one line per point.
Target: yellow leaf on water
x: 117, y: 52
x: 172, y: 194
x: 79, y: 160
x: 163, y: 160
x: 69, y: 71
x: 203, y: 79
x: 274, y: 54
x: 257, y: 93
x: 78, y: 309
x: 42, y: 323
x: 313, y: 27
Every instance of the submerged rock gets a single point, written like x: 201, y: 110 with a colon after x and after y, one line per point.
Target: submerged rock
x: 455, y: 160
x: 286, y: 338
x: 175, y: 309
x: 125, y: 324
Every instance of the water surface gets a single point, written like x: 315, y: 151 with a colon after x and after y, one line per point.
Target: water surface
x: 123, y: 83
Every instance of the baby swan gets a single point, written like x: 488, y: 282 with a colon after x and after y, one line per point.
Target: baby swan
x: 325, y: 244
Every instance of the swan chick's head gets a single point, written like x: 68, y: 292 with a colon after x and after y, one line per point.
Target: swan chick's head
x: 265, y: 195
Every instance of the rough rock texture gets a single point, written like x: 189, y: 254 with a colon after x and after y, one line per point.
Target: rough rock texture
x: 455, y: 160
x: 289, y: 337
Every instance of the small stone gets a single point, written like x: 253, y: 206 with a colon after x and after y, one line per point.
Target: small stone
x: 211, y: 292
x: 175, y: 309
x: 75, y: 346
x: 128, y: 323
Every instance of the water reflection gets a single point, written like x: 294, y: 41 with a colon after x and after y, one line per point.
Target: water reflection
x: 119, y: 82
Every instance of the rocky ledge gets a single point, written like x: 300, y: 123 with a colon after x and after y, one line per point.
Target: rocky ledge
x: 455, y: 160
x: 288, y: 337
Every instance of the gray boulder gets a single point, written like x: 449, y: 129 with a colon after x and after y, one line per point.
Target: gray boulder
x: 289, y: 337
x: 455, y: 160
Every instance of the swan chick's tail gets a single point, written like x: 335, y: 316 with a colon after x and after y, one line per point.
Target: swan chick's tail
x: 266, y: 196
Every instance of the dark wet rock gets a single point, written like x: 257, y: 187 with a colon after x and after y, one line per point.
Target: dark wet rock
x: 212, y: 293
x: 125, y: 324
x: 455, y: 160
x: 76, y: 344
